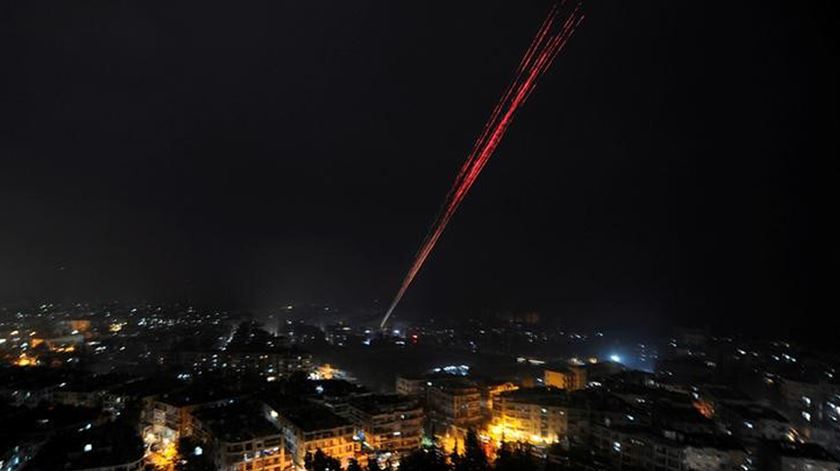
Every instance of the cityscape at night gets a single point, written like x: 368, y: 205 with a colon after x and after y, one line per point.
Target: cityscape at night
x: 404, y: 236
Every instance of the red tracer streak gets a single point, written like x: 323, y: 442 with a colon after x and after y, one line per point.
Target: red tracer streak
x: 549, y: 40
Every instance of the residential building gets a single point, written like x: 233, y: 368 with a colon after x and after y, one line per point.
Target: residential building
x: 389, y: 422
x: 790, y: 456
x: 534, y: 415
x: 242, y: 438
x: 647, y: 448
x: 568, y: 377
x: 454, y: 402
x: 308, y: 428
x: 168, y: 417
x: 411, y: 385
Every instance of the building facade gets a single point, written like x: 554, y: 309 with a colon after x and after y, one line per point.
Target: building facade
x: 570, y: 378
x: 389, y: 423
x: 534, y: 415
x: 309, y: 428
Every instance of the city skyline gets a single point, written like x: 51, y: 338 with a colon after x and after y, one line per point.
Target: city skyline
x: 563, y: 235
x: 672, y: 169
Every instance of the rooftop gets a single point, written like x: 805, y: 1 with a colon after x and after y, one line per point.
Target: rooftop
x: 455, y: 384
x: 197, y: 394
x: 544, y: 396
x: 724, y: 393
x: 810, y: 451
x: 558, y: 367
x: 145, y: 387
x: 424, y: 376
x: 672, y: 414
x: 107, y: 445
x: 313, y: 417
x: 323, y: 387
x: 94, y: 383
x: 600, y: 400
x: 678, y: 440
x: 384, y: 403
x: 756, y: 412
x: 25, y: 424
x: 719, y: 442
x: 237, y: 422
x: 32, y: 379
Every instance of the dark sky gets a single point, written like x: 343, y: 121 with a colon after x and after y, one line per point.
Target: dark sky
x: 677, y: 164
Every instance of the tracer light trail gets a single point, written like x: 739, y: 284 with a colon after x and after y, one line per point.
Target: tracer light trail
x: 549, y: 40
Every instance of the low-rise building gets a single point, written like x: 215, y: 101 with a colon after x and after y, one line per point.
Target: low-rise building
x: 646, y: 448
x: 714, y: 457
x: 490, y: 391
x: 87, y: 391
x: 754, y: 423
x: 411, y: 385
x: 140, y: 391
x: 169, y: 416
x: 790, y: 456
x: 24, y: 430
x: 30, y: 386
x: 332, y: 393
x: 275, y: 363
x: 110, y: 447
x: 568, y: 377
x: 596, y: 406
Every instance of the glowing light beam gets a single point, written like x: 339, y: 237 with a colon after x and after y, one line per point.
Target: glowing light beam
x: 550, y: 39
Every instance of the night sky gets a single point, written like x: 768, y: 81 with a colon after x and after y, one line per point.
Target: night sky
x: 677, y: 165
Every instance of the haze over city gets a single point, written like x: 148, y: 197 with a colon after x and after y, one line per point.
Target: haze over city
x: 555, y: 235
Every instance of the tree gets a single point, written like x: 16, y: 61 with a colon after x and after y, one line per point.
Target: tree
x: 504, y: 457
x: 297, y: 378
x: 519, y: 459
x: 454, y: 457
x: 193, y: 456
x: 353, y: 465
x: 424, y: 459
x: 373, y: 465
x: 321, y: 462
x: 473, y: 458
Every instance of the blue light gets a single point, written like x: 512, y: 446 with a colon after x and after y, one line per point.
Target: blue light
x: 615, y: 358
